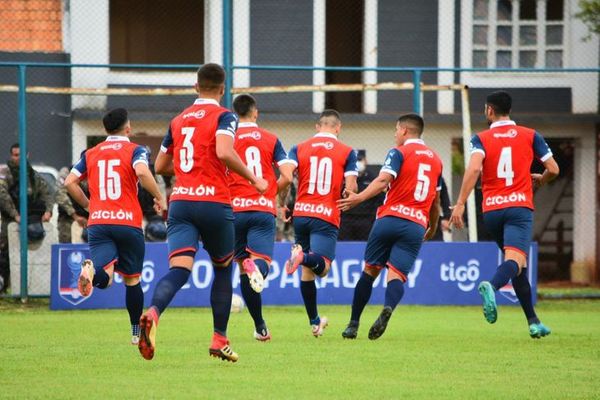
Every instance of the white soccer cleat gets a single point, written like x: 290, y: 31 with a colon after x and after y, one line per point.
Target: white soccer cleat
x: 86, y: 277
x: 135, y: 340
x: 296, y: 258
x: 262, y: 336
x: 257, y: 281
x: 317, y: 330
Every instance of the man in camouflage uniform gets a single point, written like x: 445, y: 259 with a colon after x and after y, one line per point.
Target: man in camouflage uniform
x: 69, y: 211
x: 39, y: 203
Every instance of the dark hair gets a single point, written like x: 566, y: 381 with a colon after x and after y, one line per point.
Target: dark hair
x: 329, y: 113
x: 415, y: 122
x: 115, y: 120
x: 210, y: 77
x: 500, y: 101
x: 244, y: 104
x: 14, y: 146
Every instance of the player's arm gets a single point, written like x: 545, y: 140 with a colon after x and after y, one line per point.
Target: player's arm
x: 434, y: 216
x: 72, y: 186
x: 550, y: 173
x: 469, y: 181
x: 144, y: 175
x: 163, y: 165
x: 377, y: 186
x: 351, y: 173
x: 544, y: 154
x: 286, y: 168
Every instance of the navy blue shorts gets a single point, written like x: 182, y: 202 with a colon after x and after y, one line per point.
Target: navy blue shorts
x: 394, y: 243
x: 254, y: 234
x: 192, y: 221
x: 316, y: 236
x: 120, y: 245
x: 511, y: 228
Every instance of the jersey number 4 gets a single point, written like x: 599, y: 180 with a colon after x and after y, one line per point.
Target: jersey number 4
x: 505, y: 169
x: 109, y: 180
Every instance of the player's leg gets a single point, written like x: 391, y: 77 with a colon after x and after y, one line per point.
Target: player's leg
x: 258, y: 250
x: 182, y: 239
x: 103, y: 253
x: 377, y: 253
x: 131, y: 246
x: 409, y: 237
x: 218, y: 238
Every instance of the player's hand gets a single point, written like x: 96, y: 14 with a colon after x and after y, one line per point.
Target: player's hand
x: 445, y: 225
x: 350, y: 201
x: 46, y: 216
x: 537, y: 180
x: 160, y: 205
x: 261, y: 185
x: 456, y: 219
x: 81, y: 221
x: 430, y: 232
x: 284, y: 214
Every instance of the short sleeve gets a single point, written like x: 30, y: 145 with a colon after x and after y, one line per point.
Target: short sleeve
x: 476, y: 145
x: 540, y: 147
x: 438, y: 187
x: 227, y: 124
x: 167, y: 143
x: 279, y: 154
x: 140, y: 155
x: 351, y: 168
x: 293, y: 155
x: 80, y: 167
x: 393, y: 163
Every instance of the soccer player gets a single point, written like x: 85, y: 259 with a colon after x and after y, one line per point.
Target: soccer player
x: 254, y: 213
x: 116, y: 241
x: 198, y: 149
x: 409, y: 215
x: 503, y: 155
x: 324, y: 164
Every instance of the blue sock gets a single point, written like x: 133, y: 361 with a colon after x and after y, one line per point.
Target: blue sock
x: 393, y: 293
x: 505, y: 272
x: 253, y: 300
x: 168, y: 286
x: 523, y: 291
x: 309, y: 295
x: 262, y: 266
x: 134, y: 300
x: 315, y: 262
x: 101, y: 279
x: 362, y: 294
x: 220, y: 298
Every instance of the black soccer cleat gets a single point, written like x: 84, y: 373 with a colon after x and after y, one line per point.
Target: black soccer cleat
x: 380, y: 324
x: 351, y: 331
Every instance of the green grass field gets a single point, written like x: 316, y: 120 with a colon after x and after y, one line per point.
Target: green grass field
x: 427, y: 352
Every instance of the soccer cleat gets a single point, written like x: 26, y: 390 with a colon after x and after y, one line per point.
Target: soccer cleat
x: 135, y: 340
x: 256, y: 279
x: 537, y: 331
x: 351, y: 331
x: 317, y: 330
x: 295, y: 260
x: 224, y: 353
x: 86, y: 277
x: 380, y: 324
x: 147, y: 342
x: 488, y: 295
x: 262, y: 334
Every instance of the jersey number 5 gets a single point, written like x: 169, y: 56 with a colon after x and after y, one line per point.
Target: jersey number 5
x: 320, y: 175
x: 109, y: 180
x: 505, y: 169
x: 423, y: 181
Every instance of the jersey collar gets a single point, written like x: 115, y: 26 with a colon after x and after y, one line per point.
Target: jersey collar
x: 502, y: 123
x: 326, y: 135
x: 247, y: 125
x: 418, y: 141
x: 114, y: 138
x: 201, y: 101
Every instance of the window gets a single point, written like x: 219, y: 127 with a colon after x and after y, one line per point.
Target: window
x: 157, y: 31
x: 518, y: 33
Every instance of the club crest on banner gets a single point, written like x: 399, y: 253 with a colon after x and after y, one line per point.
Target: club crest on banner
x: 69, y: 268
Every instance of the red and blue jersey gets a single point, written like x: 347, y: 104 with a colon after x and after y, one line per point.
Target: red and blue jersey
x: 323, y: 162
x: 260, y: 150
x: 191, y: 139
x: 112, y: 181
x: 417, y: 172
x: 509, y: 150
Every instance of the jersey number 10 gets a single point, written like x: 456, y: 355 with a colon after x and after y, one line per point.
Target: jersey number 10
x: 321, y: 172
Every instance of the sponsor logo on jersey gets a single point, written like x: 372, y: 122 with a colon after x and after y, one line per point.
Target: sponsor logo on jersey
x: 196, y: 114
x: 254, y: 135
x: 511, y: 133
x: 505, y: 199
x: 120, y: 215
x: 327, y: 145
x: 200, y: 190
x: 313, y: 208
x: 112, y: 146
x: 465, y: 276
x: 427, y: 153
x: 240, y: 202
x: 409, y: 212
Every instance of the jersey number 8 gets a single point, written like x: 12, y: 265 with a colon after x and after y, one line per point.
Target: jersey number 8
x: 253, y: 161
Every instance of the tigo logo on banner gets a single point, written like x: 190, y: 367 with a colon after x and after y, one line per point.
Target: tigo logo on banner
x: 464, y: 275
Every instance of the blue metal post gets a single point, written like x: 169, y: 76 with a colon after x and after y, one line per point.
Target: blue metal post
x: 227, y: 62
x: 417, y: 91
x: 23, y: 179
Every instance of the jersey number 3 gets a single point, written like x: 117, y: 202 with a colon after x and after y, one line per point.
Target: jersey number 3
x: 505, y: 169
